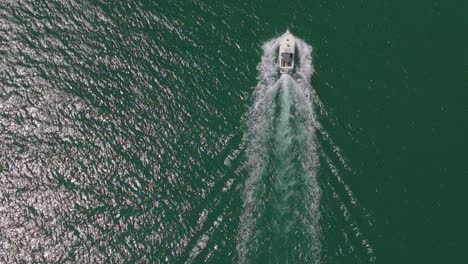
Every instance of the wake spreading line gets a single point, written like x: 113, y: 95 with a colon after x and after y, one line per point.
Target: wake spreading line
x: 280, y: 221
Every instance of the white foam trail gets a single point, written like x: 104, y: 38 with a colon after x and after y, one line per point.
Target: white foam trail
x: 281, y: 195
x: 299, y: 148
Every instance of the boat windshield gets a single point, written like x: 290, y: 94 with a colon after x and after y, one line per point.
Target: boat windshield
x: 287, y: 59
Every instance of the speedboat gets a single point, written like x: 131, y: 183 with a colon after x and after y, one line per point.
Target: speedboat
x: 286, y: 53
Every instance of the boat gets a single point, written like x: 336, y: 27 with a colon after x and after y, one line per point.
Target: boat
x: 287, y: 45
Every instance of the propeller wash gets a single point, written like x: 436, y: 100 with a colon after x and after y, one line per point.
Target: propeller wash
x: 280, y: 218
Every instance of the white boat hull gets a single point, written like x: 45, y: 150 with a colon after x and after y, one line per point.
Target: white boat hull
x: 286, y: 53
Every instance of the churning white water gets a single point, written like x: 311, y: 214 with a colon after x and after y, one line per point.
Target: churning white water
x: 279, y: 223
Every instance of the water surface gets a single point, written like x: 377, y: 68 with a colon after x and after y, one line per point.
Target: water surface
x: 124, y: 130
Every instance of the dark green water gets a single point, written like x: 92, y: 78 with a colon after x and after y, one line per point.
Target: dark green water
x: 127, y: 127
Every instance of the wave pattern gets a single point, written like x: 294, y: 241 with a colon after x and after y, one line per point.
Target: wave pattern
x: 291, y: 204
x: 121, y: 140
x: 280, y: 221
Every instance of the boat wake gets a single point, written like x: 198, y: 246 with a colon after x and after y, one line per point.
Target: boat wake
x: 279, y: 223
x: 287, y: 212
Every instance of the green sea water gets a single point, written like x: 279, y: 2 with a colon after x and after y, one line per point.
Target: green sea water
x: 158, y: 132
